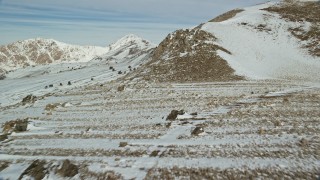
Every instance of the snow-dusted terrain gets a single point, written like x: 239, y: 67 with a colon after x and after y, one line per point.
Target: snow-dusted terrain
x: 94, y: 112
x: 128, y: 51
x: 262, y: 46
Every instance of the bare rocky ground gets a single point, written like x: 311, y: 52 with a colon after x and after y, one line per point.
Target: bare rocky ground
x: 246, y: 130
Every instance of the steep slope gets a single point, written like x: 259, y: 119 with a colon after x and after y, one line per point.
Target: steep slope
x: 44, y: 51
x: 262, y: 44
x: 267, y: 41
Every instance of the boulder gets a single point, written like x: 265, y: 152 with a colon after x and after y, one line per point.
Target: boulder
x: 123, y: 144
x: 15, y: 125
x: 121, y: 88
x: 173, y: 115
x: 196, y: 131
x: 29, y: 99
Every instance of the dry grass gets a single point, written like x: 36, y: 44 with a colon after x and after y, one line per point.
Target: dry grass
x: 215, y: 173
x: 188, y: 56
x: 81, y: 152
x: 301, y: 12
x: 227, y: 15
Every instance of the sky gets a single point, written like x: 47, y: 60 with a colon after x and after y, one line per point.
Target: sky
x: 101, y: 22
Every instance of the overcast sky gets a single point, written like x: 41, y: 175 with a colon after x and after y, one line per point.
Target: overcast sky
x: 101, y: 22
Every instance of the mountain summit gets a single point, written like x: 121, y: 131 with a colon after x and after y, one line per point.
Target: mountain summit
x: 128, y: 47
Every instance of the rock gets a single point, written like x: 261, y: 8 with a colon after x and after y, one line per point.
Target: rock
x: 51, y: 107
x: 123, y: 144
x: 15, y: 125
x: 173, y: 115
x: 2, y: 76
x: 303, y: 142
x: 68, y: 169
x: 121, y: 88
x: 196, y: 131
x: 35, y: 170
x: 154, y: 153
x: 194, y: 114
x: 69, y: 83
x: 21, y: 125
x: 29, y: 99
x: 3, y: 137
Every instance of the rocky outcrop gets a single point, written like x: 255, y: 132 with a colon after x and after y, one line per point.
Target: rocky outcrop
x: 188, y: 56
x: 29, y: 99
x: 18, y: 125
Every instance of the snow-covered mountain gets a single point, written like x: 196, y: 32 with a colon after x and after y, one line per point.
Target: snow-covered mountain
x: 130, y: 48
x: 44, y: 51
x: 272, y: 40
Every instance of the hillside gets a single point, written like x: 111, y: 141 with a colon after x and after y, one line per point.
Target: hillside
x: 188, y: 55
x: 268, y: 41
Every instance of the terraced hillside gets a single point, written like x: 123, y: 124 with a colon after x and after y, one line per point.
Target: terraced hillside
x: 254, y: 129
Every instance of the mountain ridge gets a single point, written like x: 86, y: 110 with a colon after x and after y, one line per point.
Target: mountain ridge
x: 40, y: 51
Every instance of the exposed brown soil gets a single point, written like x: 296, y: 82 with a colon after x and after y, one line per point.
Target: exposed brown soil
x: 188, y: 56
x: 227, y: 15
x: 301, y: 12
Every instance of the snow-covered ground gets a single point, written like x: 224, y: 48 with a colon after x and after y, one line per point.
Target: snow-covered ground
x: 248, y: 126
x: 263, y: 47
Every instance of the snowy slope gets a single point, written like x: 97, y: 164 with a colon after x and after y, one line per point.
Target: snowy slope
x: 262, y: 46
x: 130, y: 48
x: 125, y: 55
x: 44, y: 51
